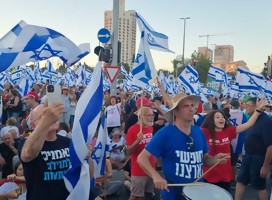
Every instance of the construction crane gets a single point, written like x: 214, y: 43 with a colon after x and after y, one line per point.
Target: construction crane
x: 210, y: 35
x: 207, y: 36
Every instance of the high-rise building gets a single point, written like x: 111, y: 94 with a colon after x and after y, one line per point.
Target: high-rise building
x: 127, y: 31
x: 223, y: 54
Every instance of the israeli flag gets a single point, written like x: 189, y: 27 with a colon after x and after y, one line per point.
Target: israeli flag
x: 124, y: 71
x: 217, y: 73
x: 28, y: 43
x: 3, y: 79
x: 162, y: 79
x: 44, y: 77
x: 80, y: 73
x: 88, y: 76
x: 144, y: 68
x: 155, y: 40
x: 106, y: 84
x: 189, y: 79
x: 101, y: 149
x: 24, y: 86
x: 268, y: 91
x: 250, y: 82
x: 49, y: 69
x: 37, y: 71
x: 16, y: 76
x: 87, y: 114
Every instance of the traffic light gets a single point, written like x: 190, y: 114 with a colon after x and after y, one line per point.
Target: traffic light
x: 195, y: 61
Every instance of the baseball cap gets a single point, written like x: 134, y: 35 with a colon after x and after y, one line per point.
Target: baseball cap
x: 33, y: 95
x: 146, y: 102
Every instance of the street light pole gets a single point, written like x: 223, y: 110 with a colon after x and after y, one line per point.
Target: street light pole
x: 213, y: 48
x: 184, y: 19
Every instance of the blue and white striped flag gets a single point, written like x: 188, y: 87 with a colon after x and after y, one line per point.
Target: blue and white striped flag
x: 49, y: 69
x: 268, y: 91
x: 189, y: 80
x: 217, y: 73
x: 155, y: 40
x: 87, y: 114
x: 28, y: 43
x: 124, y: 71
x: 144, y: 68
x: 16, y: 76
x: 101, y: 149
x: 106, y: 84
x: 250, y: 82
x: 44, y: 77
x: 88, y: 76
x: 24, y: 86
x: 3, y: 79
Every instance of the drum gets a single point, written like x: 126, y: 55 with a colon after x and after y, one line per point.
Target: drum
x: 206, y: 191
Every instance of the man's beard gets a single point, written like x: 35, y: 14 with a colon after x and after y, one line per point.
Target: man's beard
x: 151, y: 123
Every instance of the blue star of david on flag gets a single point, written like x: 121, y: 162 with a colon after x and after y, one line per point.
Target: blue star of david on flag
x: 97, y: 152
x: 197, y: 92
x: 29, y: 43
x: 192, y: 79
x: 233, y: 121
x: 46, y: 49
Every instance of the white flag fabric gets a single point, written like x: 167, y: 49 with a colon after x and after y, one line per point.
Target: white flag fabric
x: 189, y: 80
x: 87, y: 114
x: 144, y: 68
x: 250, y: 82
x: 268, y: 91
x: 29, y: 43
x: 101, y: 149
x: 123, y: 71
x: 156, y: 40
x: 217, y: 73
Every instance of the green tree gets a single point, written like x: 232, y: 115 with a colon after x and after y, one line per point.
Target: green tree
x: 202, y: 66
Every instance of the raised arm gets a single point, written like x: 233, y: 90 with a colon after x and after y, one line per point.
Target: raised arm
x: 35, y: 141
x: 259, y: 108
x: 165, y: 96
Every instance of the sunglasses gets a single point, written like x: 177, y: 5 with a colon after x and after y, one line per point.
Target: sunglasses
x: 190, y: 143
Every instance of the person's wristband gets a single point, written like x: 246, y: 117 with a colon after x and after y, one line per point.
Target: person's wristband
x: 258, y: 111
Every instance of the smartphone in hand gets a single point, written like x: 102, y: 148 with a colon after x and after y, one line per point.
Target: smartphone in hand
x: 19, y: 190
x: 53, y: 93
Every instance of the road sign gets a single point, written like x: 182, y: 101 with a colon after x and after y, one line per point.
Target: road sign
x: 103, y: 35
x: 112, y: 72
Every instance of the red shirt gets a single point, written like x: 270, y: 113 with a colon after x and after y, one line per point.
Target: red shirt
x: 222, y: 172
x: 136, y: 170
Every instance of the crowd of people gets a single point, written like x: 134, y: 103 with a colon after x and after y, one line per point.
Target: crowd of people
x: 154, y: 142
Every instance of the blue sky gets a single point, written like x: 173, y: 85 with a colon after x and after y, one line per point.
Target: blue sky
x: 245, y: 24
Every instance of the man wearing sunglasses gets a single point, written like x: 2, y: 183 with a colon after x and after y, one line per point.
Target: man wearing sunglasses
x: 182, y: 148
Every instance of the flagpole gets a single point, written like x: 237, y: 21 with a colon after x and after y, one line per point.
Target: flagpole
x: 141, y: 116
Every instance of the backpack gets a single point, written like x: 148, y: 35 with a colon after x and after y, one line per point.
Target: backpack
x: 200, y: 119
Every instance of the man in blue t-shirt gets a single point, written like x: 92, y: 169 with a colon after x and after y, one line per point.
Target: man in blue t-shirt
x: 182, y: 148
